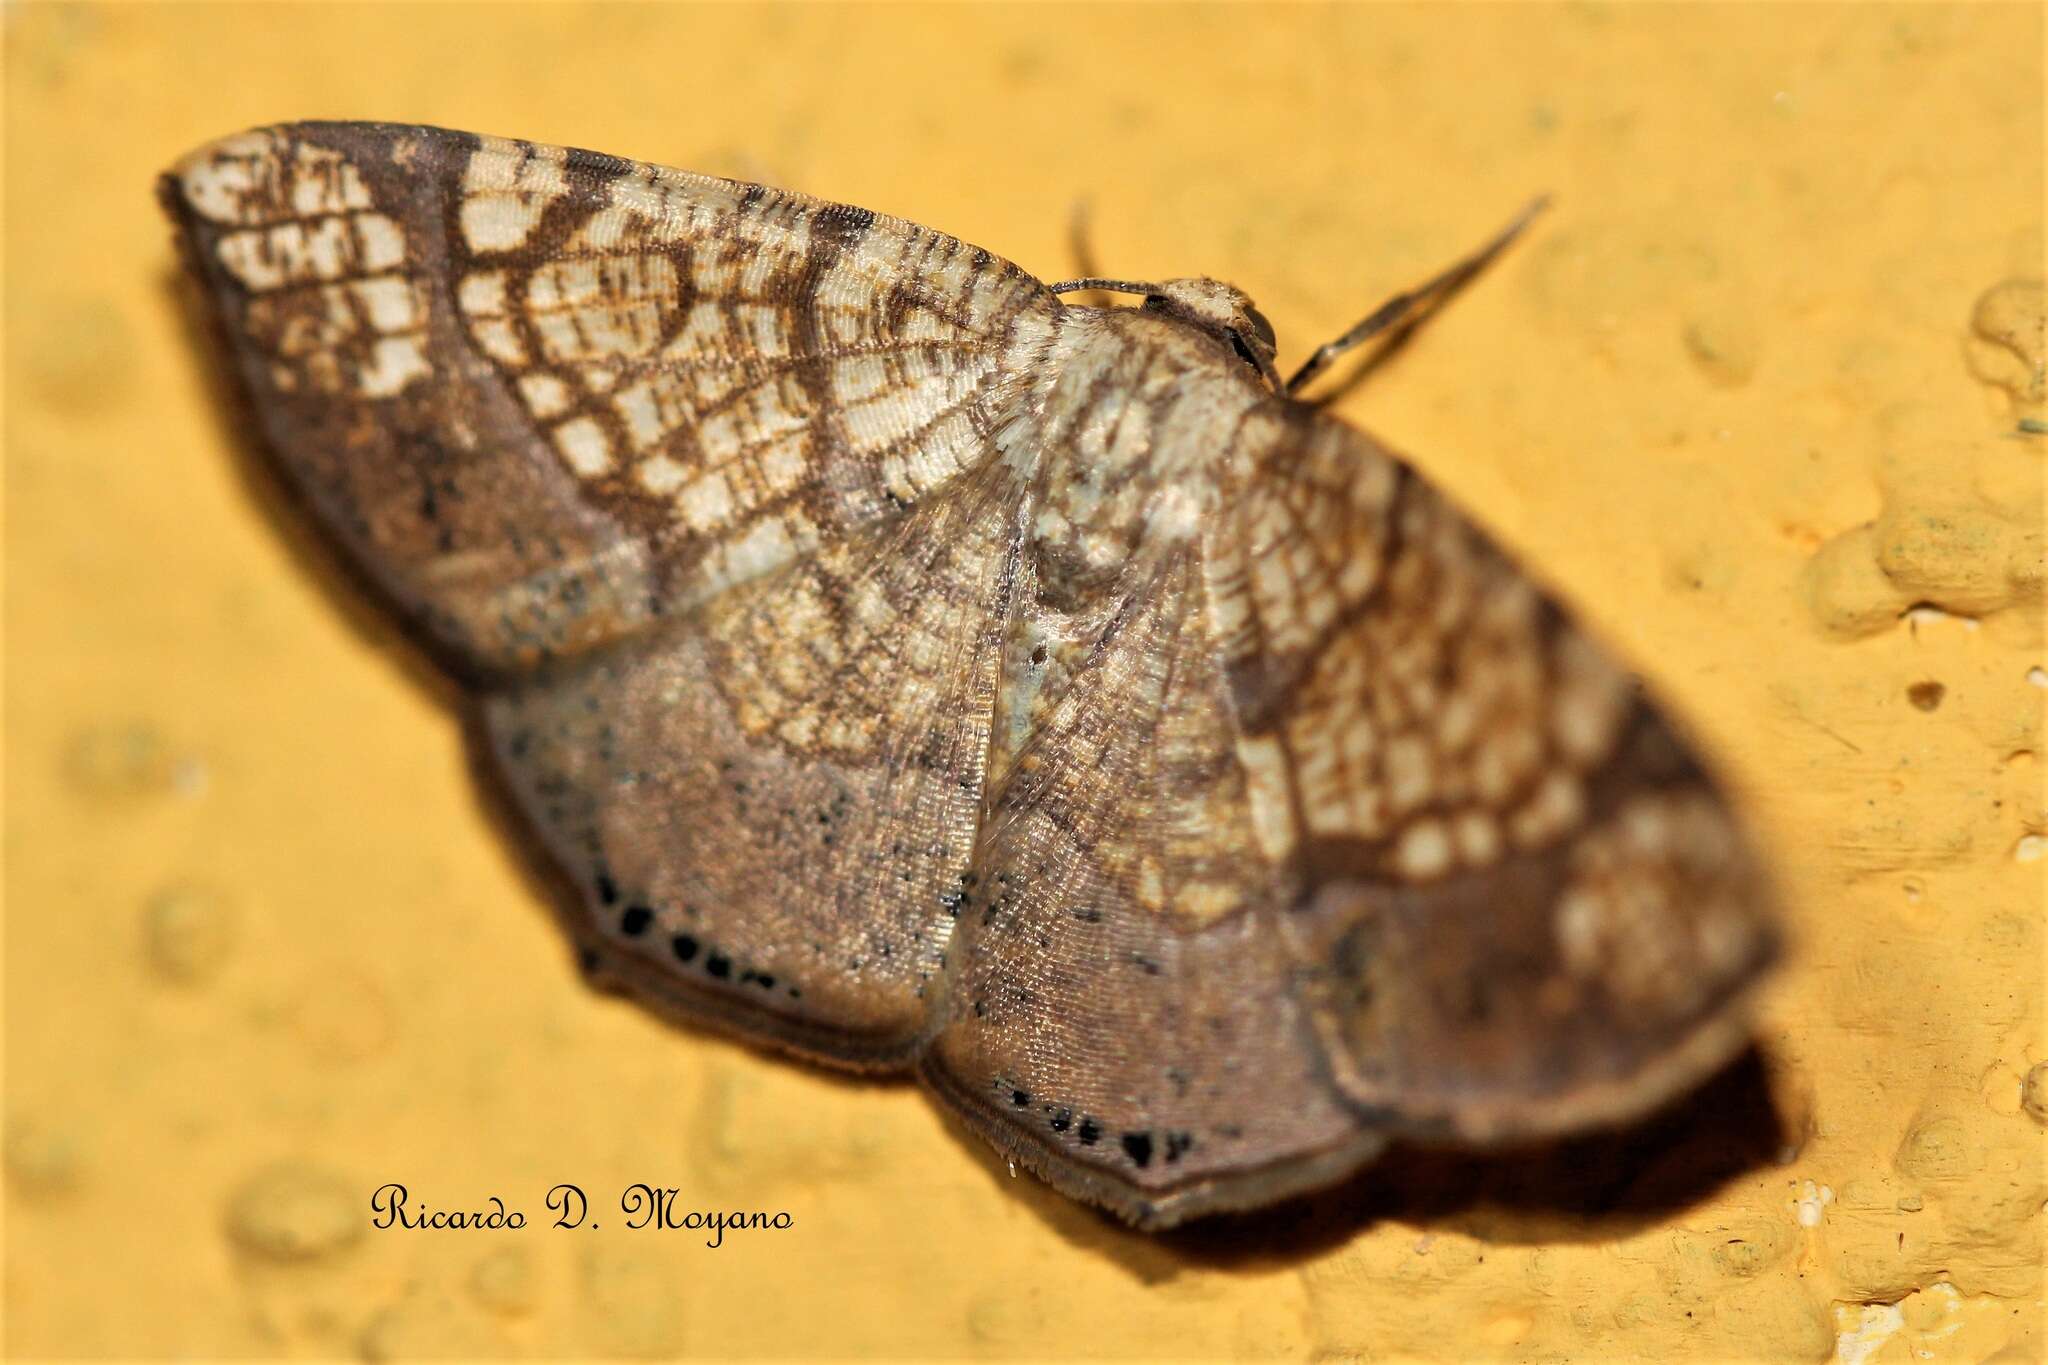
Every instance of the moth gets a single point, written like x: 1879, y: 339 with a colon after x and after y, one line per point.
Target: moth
x: 914, y: 670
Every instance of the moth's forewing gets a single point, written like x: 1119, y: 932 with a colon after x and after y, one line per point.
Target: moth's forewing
x: 545, y: 396
x: 655, y: 460
x: 1527, y: 908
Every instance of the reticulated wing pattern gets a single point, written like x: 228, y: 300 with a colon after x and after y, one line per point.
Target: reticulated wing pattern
x: 1525, y: 907
x: 546, y: 396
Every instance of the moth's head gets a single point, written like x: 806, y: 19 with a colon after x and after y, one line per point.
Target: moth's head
x: 1226, y: 313
x: 1223, y: 311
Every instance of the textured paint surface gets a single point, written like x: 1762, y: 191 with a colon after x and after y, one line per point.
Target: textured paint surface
x: 1753, y: 393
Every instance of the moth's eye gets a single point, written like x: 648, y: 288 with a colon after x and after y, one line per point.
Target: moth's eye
x: 1243, y: 349
x: 1261, y: 328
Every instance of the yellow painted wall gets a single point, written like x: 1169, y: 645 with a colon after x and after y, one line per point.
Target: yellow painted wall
x: 266, y: 949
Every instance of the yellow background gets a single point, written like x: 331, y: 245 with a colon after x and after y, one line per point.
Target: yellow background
x: 266, y: 948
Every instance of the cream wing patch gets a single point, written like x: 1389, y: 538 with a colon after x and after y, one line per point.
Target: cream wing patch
x: 506, y: 189
x: 338, y: 307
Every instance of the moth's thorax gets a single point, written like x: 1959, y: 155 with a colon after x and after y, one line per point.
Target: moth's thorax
x: 1127, y: 419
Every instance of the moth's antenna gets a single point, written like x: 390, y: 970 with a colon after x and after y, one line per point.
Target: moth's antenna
x: 1083, y: 250
x: 1080, y: 224
x: 1115, y: 286
x: 1407, y: 309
